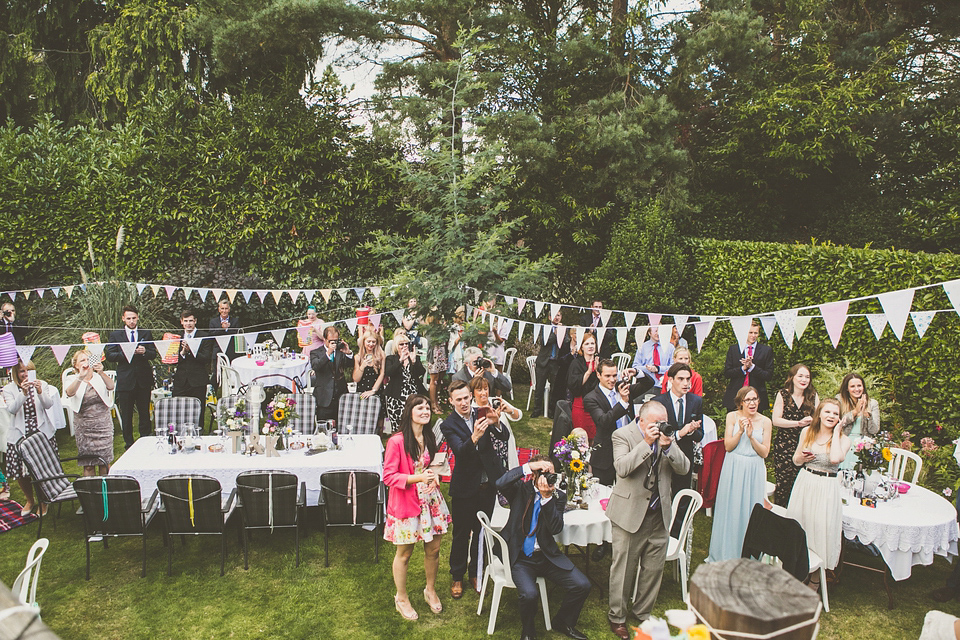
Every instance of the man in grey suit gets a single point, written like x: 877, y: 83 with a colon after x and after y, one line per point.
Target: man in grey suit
x: 639, y: 510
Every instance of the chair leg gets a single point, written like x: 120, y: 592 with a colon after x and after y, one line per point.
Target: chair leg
x: 543, y: 601
x: 823, y: 588
x: 297, y: 530
x: 376, y: 545
x: 483, y: 588
x: 494, y: 607
x: 326, y: 550
x: 40, y: 526
x: 246, y: 564
x: 143, y: 572
x: 682, y: 562
x: 169, y: 560
x: 88, y: 558
x: 223, y: 552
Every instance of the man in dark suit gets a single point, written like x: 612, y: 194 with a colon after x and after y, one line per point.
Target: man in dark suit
x: 470, y: 489
x: 225, y: 323
x: 475, y: 364
x: 548, y: 363
x: 134, y: 376
x: 328, y: 365
x: 9, y: 324
x: 751, y: 367
x: 687, y: 426
x: 639, y: 513
x: 536, y: 516
x: 191, y: 377
x: 594, y: 320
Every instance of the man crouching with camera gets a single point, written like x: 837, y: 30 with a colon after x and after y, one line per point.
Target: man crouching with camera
x: 536, y: 516
x: 645, y: 459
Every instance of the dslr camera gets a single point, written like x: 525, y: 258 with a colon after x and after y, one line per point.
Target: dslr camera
x: 551, y: 478
x: 665, y: 428
x: 483, y: 363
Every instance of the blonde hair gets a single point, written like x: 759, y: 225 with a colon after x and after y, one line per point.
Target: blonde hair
x: 76, y: 356
x: 813, y: 431
x: 377, y: 352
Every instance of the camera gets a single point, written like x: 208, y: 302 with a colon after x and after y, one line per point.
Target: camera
x: 551, y: 478
x: 495, y: 403
x: 665, y: 428
x: 8, y: 313
x: 483, y: 363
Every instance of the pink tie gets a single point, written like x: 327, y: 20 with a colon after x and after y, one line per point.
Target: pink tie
x: 746, y: 378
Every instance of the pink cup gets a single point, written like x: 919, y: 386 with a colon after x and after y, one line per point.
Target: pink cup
x: 260, y: 363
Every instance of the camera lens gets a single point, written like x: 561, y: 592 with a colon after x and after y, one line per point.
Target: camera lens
x: 665, y: 428
x: 551, y: 478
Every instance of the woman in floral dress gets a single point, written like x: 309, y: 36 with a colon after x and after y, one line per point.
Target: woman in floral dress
x: 415, y: 507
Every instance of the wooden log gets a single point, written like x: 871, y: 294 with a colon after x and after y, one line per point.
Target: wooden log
x: 12, y: 626
x: 753, y: 597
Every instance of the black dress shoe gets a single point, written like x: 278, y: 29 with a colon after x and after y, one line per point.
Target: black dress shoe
x: 528, y: 636
x: 600, y: 552
x: 944, y: 594
x: 568, y: 630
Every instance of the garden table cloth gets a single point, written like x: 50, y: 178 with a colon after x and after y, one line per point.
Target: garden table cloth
x: 273, y: 373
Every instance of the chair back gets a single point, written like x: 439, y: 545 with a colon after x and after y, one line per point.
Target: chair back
x: 898, y: 465
x: 779, y: 536
x: 268, y: 498
x: 350, y: 498
x: 509, y: 355
x: 437, y: 433
x: 43, y: 465
x: 390, y: 348
x: 532, y: 366
x: 496, y: 547
x: 222, y: 361
x: 622, y: 360
x: 191, y: 503
x: 230, y: 382
x: 258, y: 350
x: 696, y: 501
x: 177, y: 411
x: 25, y: 586
x: 306, y: 408
x: 111, y: 505
x: 360, y: 413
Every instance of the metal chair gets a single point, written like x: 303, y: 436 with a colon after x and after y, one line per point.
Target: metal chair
x: 360, y: 413
x: 112, y: 507
x: 898, y: 465
x: 675, y: 546
x: 25, y: 586
x: 177, y: 411
x: 351, y: 499
x: 193, y: 505
x: 270, y: 500
x: 498, y: 570
x: 50, y: 484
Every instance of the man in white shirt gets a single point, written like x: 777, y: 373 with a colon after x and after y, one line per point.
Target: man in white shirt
x: 191, y: 377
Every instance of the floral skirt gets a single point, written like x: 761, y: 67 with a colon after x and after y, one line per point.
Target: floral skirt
x: 434, y: 519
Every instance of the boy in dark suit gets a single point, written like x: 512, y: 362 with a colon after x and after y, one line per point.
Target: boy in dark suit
x: 191, y: 376
x: 134, y: 376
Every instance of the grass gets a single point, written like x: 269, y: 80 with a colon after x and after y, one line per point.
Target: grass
x: 354, y: 596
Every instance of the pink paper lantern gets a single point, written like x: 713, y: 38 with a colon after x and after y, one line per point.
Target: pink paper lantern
x: 8, y: 350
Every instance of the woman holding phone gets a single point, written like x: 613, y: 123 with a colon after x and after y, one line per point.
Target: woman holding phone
x: 581, y: 380
x: 415, y: 508
x: 89, y: 394
x: 405, y: 373
x: 499, y: 412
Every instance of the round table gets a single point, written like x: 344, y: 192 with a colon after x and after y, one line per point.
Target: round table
x: 908, y: 531
x: 281, y: 372
x: 587, y: 526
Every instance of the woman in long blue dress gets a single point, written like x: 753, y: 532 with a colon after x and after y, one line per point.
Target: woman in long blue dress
x: 743, y: 477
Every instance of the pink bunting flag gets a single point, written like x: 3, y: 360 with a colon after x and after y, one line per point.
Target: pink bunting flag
x: 834, y: 317
x: 60, y: 352
x: 169, y: 288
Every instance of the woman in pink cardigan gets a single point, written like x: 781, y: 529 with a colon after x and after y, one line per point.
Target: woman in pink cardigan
x: 415, y: 507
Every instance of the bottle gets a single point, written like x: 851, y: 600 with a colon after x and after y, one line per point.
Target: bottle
x: 333, y: 438
x: 172, y: 438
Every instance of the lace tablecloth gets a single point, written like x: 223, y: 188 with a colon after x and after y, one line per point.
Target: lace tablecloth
x: 908, y: 531
x: 147, y: 463
x: 587, y: 526
x: 273, y: 373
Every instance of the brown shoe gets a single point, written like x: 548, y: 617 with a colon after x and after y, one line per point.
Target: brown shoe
x: 456, y: 589
x: 474, y: 585
x: 944, y: 594
x: 619, y: 629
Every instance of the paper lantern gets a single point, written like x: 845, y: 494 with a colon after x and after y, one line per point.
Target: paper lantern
x: 172, y: 354
x: 303, y: 333
x: 96, y: 353
x: 8, y: 350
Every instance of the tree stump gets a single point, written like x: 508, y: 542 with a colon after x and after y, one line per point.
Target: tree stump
x: 12, y: 626
x: 753, y: 597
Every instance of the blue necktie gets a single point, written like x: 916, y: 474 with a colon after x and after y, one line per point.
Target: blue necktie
x: 531, y: 538
x: 614, y: 399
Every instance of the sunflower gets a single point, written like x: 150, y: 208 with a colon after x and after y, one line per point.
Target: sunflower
x: 576, y: 465
x: 278, y: 415
x: 886, y: 454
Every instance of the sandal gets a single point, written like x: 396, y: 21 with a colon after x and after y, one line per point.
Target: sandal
x: 413, y: 612
x: 436, y: 608
x: 27, y: 510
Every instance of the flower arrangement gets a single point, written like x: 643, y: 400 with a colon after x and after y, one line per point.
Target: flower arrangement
x: 872, y: 454
x: 237, y: 419
x: 280, y: 412
x: 573, y: 452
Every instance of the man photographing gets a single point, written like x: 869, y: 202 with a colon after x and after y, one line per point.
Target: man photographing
x: 476, y: 364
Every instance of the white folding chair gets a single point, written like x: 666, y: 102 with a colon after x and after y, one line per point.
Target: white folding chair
x: 675, y: 546
x: 222, y: 361
x: 509, y: 355
x: 63, y: 396
x: 898, y: 465
x: 229, y: 382
x: 622, y: 360
x: 258, y: 350
x: 25, y: 586
x: 498, y: 570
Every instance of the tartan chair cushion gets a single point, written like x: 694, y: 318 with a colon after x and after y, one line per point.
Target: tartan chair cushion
x: 306, y: 407
x: 177, y: 411
x: 361, y: 413
x: 178, y: 493
x: 263, y: 493
x: 45, y: 468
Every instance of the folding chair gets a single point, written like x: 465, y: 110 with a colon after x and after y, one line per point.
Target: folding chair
x: 25, y: 586
x: 193, y: 505
x: 351, y: 499
x: 50, y: 484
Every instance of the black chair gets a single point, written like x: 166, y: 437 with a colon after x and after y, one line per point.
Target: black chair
x: 351, y: 499
x: 50, y: 484
x: 193, y: 505
x: 269, y: 500
x: 113, y: 508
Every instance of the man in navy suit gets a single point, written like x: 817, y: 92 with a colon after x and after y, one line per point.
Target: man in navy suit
x: 470, y: 488
x: 225, y: 323
x: 134, y: 377
x: 191, y: 377
x: 328, y: 365
x: 751, y: 367
x: 547, y: 365
x: 536, y: 516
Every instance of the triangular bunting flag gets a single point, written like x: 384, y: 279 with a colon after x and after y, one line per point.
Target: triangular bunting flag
x: 622, y: 337
x: 351, y: 325
x: 359, y: 291
x: 156, y: 290
x: 56, y: 292
x: 921, y: 320
x: 769, y: 323
x: 67, y: 289
x: 834, y: 317
x: 505, y: 327
x: 140, y: 288
x: 247, y: 294
x: 896, y: 305
x: 640, y: 335
x: 309, y: 294
x: 375, y: 320
x: 522, y: 302
x: 580, y: 332
x: 510, y: 300
x: 262, y: 294
x: 325, y: 293
x: 202, y: 292
x: 802, y: 322
x: 681, y: 322
x: 703, y: 329
x: 629, y: 317
x: 476, y: 296
x: 536, y: 332
x: 60, y: 351
x: 217, y: 294
x: 375, y: 291
x: 665, y: 331
x: 278, y: 335
x: 187, y: 292
x: 537, y: 308
x: 741, y: 326
x: 952, y: 290
x: 520, y: 327
x: 231, y: 295
x: 96, y: 352
x: 277, y: 294
x: 26, y: 292
x: 194, y: 344
x: 128, y: 349
x: 342, y: 292
x: 223, y: 342
x: 787, y: 319
x: 558, y: 335
x: 605, y: 316
x: 398, y: 316
x: 251, y: 337
x: 654, y: 319
x: 554, y: 310
x: 170, y: 289
x: 878, y: 322
x: 600, y: 331
x: 40, y: 293
x: 25, y: 351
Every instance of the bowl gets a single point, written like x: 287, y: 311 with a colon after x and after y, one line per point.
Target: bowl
x: 903, y: 487
x: 260, y: 363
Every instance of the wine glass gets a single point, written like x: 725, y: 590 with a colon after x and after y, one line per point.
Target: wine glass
x: 348, y: 434
x: 161, y: 434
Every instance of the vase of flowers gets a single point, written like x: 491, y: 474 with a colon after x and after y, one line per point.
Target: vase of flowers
x: 573, y: 452
x: 234, y: 422
x: 280, y: 413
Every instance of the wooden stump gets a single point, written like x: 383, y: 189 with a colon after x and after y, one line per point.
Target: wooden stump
x: 11, y: 627
x: 750, y: 596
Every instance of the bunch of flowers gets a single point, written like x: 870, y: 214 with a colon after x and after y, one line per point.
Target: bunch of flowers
x: 573, y: 452
x: 236, y: 419
x: 280, y: 412
x: 872, y: 454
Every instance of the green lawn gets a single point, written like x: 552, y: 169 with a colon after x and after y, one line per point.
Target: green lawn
x: 354, y: 596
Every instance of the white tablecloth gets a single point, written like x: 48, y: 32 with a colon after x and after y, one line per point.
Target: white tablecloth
x: 147, y: 463
x: 908, y: 531
x: 587, y: 526
x: 273, y: 373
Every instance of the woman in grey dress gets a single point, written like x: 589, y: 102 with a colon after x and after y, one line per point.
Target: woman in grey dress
x: 89, y: 394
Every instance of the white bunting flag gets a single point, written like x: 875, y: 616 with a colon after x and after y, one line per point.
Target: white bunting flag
x: 521, y: 303
x: 703, y: 328
x: 223, y: 342
x: 140, y: 288
x: 251, y: 337
x: 25, y: 351
x: 896, y: 305
x: 600, y: 331
x: 325, y: 294
x: 375, y: 291
x: 398, y: 316
x: 194, y: 344
x: 769, y: 323
x: 581, y: 331
x: 96, y: 352
x: 629, y: 317
x: 741, y: 327
x: 558, y: 334
x: 278, y: 335
x: 834, y: 317
x: 60, y: 351
x: 787, y: 319
x: 309, y: 295
x: 952, y: 290
x: 128, y: 349
x: 537, y: 308
x: 262, y: 294
x: 217, y: 294
x: 802, y: 322
x: 476, y: 296
x: 536, y: 332
x: 510, y: 300
x: 520, y: 327
x: 922, y: 320
x: 681, y: 322
x: 640, y: 335
x: 605, y: 316
x: 360, y: 291
x: 187, y: 292
x: 878, y: 322
x: 56, y: 292
x: 246, y: 293
x: 67, y: 289
x: 40, y: 293
x: 554, y: 310
x: 504, y: 328
x: 622, y: 337
x: 351, y: 325
x: 202, y: 292
x: 665, y: 331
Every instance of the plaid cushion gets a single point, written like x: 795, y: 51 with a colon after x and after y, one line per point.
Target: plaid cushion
x: 177, y: 411
x: 44, y: 466
x: 360, y: 413
x: 306, y: 407
x: 525, y: 454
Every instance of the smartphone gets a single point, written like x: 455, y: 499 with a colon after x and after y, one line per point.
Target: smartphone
x: 31, y: 376
x: 807, y: 452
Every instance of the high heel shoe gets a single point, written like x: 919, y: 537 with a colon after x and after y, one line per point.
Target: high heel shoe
x: 413, y: 616
x: 436, y: 608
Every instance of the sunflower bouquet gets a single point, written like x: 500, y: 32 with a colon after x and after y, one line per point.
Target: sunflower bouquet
x: 573, y: 453
x: 872, y: 454
x: 280, y: 413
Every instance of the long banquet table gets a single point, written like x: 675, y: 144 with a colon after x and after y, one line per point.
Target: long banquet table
x: 147, y: 462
